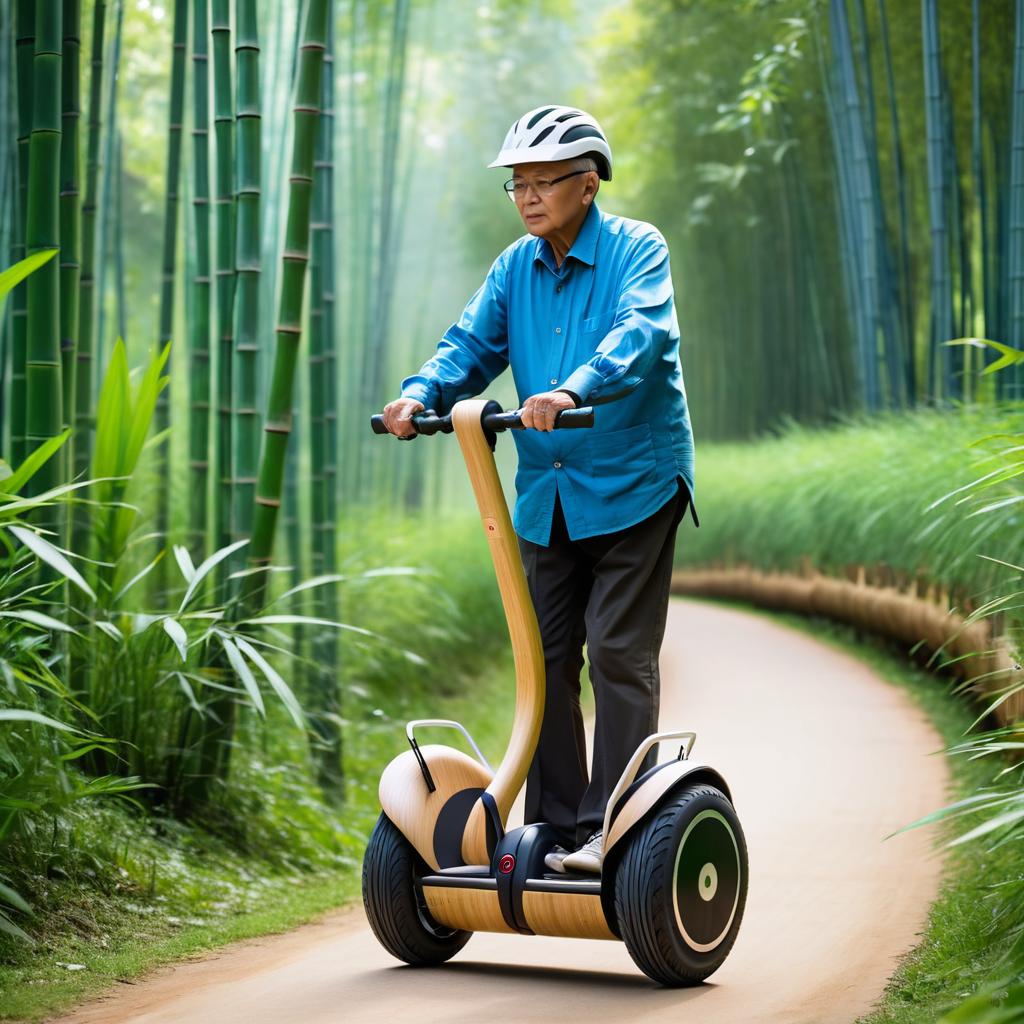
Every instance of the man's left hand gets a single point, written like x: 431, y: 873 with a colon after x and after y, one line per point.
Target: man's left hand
x: 540, y: 411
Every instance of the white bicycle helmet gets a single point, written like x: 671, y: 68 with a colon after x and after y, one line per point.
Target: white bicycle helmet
x: 555, y: 133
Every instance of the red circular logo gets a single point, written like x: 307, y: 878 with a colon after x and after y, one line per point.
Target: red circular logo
x: 507, y: 864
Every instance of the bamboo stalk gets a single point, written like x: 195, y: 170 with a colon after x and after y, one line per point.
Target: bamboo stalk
x: 83, y: 419
x: 44, y: 396
x: 108, y: 196
x: 324, y: 686
x: 1012, y: 383
x: 170, y: 250
x: 224, y: 205
x: 295, y: 257
x: 941, y: 380
x: 199, y: 334
x: 904, y: 279
x: 247, y: 299
x: 70, y: 253
x: 25, y: 33
x: 214, y: 758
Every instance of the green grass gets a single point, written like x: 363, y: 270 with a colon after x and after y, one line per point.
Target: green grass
x: 860, y: 493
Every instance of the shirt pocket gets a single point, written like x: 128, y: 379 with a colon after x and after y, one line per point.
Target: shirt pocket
x: 599, y: 324
x: 623, y: 463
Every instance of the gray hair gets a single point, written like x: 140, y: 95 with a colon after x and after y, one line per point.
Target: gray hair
x: 584, y: 163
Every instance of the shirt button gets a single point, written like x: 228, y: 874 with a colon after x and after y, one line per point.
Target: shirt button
x: 558, y: 330
x: 557, y: 465
x: 554, y: 380
x: 559, y: 288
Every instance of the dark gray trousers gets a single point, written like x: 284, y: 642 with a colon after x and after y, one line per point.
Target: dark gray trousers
x: 610, y: 591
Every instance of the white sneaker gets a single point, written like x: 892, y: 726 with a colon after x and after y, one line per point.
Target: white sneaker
x: 554, y: 859
x: 588, y: 857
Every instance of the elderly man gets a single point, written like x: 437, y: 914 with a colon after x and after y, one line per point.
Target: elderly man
x: 581, y: 308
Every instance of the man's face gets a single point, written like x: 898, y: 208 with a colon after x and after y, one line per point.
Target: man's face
x: 546, y: 205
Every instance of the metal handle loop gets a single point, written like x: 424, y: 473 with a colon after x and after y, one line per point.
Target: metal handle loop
x: 411, y: 726
x: 627, y: 777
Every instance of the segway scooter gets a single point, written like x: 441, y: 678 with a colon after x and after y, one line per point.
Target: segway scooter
x: 439, y: 864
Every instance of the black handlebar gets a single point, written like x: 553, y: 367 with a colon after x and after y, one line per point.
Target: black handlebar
x: 494, y: 419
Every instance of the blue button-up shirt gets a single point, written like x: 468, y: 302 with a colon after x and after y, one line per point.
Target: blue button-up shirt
x: 602, y: 325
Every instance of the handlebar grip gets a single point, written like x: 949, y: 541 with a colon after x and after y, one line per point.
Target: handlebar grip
x: 377, y: 423
x: 573, y: 418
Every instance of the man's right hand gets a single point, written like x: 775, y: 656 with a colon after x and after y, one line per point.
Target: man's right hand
x: 398, y: 416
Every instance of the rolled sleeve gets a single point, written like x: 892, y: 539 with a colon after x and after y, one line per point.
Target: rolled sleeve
x: 644, y: 323
x: 471, y: 353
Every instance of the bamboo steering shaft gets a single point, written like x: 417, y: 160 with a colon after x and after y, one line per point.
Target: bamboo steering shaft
x: 524, y: 632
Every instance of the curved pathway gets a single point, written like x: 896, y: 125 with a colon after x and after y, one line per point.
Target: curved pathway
x: 824, y: 759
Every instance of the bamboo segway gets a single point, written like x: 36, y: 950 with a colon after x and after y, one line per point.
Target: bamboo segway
x: 439, y: 864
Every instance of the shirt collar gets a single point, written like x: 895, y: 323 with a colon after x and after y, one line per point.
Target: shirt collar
x: 584, y: 247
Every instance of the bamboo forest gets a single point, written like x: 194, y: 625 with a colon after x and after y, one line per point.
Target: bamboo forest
x: 232, y: 232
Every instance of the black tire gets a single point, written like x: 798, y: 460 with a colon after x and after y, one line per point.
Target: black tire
x: 676, y: 933
x: 394, y: 905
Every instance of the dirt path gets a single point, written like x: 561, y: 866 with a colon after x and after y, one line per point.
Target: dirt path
x: 824, y: 759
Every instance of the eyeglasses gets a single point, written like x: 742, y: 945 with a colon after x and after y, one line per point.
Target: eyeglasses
x: 517, y: 189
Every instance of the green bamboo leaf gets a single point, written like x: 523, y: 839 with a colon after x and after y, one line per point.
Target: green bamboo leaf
x: 178, y: 636
x: 397, y: 570
x: 186, y: 688
x: 139, y: 575
x: 39, y: 619
x: 308, y: 620
x: 243, y: 672
x: 13, y: 508
x: 207, y: 566
x: 111, y: 630
x: 24, y: 715
x: 111, y: 412
x: 13, y: 276
x: 49, y: 554
x: 10, y: 928
x: 184, y: 560
x: 965, y: 806
x: 144, y: 405
x: 1007, y: 818
x: 20, y: 476
x: 316, y: 581
x: 997, y: 505
x: 280, y: 687
x: 13, y: 899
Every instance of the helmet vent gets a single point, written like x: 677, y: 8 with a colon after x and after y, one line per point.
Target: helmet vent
x: 541, y: 136
x: 580, y: 131
x: 572, y: 113
x: 536, y: 117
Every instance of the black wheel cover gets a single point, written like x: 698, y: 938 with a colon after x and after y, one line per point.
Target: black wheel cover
x: 706, y: 886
